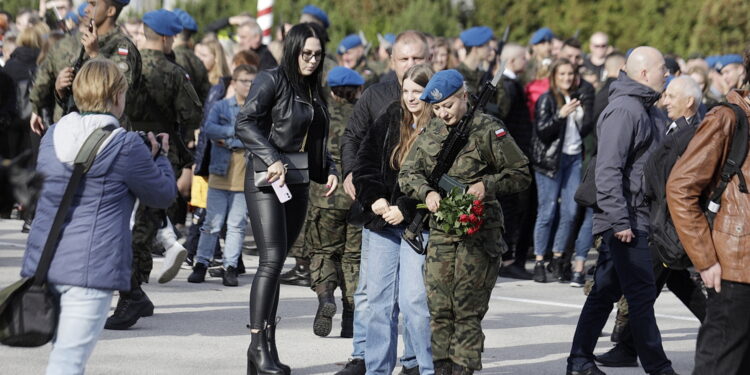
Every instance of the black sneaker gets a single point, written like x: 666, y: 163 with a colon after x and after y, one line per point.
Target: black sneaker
x: 299, y: 275
x: 199, y: 273
x: 593, y: 370
x: 409, y: 371
x: 230, y: 277
x: 540, y: 274
x: 515, y: 272
x: 130, y: 308
x: 577, y: 280
x: 355, y: 366
x: 619, y: 356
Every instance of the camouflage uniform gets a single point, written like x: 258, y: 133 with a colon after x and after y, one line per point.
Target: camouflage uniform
x: 460, y: 272
x: 114, y: 46
x: 169, y: 104
x: 368, y: 74
x: 333, y: 244
x: 185, y: 58
x: 473, y: 79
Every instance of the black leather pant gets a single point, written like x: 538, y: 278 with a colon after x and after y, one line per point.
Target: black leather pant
x: 275, y: 228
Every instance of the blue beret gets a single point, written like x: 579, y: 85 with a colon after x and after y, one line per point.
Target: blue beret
x: 442, y: 85
x: 713, y: 61
x: 343, y: 76
x: 476, y: 36
x: 542, y: 35
x: 72, y: 16
x: 349, y: 42
x: 390, y: 38
x: 188, y: 22
x: 163, y: 22
x: 82, y: 10
x: 121, y: 3
x: 317, y: 13
x: 731, y: 59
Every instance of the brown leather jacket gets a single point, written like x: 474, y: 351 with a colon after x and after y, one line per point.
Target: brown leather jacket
x: 693, y: 176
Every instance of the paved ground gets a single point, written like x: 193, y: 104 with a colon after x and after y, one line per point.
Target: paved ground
x: 200, y: 329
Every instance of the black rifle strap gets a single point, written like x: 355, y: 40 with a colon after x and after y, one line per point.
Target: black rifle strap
x: 733, y: 165
x: 84, y: 160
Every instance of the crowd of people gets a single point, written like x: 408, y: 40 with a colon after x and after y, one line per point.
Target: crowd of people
x: 326, y: 153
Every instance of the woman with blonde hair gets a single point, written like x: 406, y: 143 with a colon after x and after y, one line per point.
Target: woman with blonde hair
x: 212, y: 55
x: 394, y: 277
x: 93, y: 256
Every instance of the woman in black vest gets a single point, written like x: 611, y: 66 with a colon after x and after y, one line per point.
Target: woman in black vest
x: 285, y: 113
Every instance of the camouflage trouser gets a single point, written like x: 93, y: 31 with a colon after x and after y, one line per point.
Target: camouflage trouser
x: 147, y: 222
x: 335, y: 249
x: 299, y: 250
x: 459, y: 281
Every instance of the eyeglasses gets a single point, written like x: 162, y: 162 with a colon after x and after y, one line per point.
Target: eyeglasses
x: 308, y: 55
x: 598, y: 46
x: 246, y: 82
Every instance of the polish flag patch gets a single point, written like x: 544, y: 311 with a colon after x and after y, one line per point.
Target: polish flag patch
x: 500, y: 133
x: 122, y: 51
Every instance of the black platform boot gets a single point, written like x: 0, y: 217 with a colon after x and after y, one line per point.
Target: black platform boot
x: 347, y: 321
x: 259, y: 360
x: 271, y: 336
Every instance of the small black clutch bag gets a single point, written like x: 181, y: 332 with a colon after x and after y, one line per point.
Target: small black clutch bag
x: 297, y: 170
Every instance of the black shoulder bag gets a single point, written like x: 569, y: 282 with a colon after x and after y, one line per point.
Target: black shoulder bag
x: 28, y: 309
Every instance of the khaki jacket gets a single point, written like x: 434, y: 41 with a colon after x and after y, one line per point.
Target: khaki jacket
x: 694, y: 175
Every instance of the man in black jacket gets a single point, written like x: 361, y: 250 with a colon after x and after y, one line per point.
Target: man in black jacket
x: 612, y: 66
x: 410, y: 48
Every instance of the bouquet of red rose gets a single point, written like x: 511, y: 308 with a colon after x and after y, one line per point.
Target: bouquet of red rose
x: 459, y: 213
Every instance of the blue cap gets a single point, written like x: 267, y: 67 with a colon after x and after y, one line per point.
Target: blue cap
x: 343, y: 76
x: 542, y: 35
x: 476, y: 36
x: 317, y: 13
x: 349, y: 42
x: 188, y: 22
x: 121, y: 2
x: 82, y: 10
x: 163, y: 22
x: 442, y: 85
x: 730, y: 59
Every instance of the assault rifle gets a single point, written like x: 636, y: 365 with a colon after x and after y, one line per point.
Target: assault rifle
x: 453, y: 144
x: 70, y: 104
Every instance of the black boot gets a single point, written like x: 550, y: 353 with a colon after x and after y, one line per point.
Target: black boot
x: 355, y: 366
x: 299, y: 275
x: 199, y: 273
x: 621, y: 320
x: 443, y: 367
x: 556, y: 265
x: 461, y: 370
x: 540, y: 274
x: 323, y: 322
x: 347, y: 321
x: 259, y: 361
x: 271, y: 336
x: 230, y: 277
x: 130, y: 307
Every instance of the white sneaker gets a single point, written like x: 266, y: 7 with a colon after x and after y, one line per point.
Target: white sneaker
x: 174, y: 256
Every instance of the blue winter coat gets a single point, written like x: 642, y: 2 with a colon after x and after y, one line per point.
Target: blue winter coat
x: 94, y: 250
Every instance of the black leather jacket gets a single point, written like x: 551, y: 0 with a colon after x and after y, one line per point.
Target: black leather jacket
x: 275, y: 120
x: 549, y: 131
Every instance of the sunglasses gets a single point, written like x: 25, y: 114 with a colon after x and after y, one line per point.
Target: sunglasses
x: 598, y: 46
x: 308, y: 55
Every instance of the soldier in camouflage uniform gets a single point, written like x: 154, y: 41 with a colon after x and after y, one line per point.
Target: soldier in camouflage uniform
x: 108, y: 42
x: 460, y: 272
x: 334, y: 244
x: 476, y: 40
x: 351, y: 52
x: 169, y: 105
x: 186, y: 58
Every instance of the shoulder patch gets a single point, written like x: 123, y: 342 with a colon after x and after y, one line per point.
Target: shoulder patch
x: 499, y: 133
x: 123, y: 66
x: 122, y: 51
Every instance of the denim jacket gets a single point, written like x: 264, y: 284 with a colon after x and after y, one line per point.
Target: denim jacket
x: 220, y: 127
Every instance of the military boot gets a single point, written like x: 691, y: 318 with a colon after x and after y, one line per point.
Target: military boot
x: 299, y: 275
x: 347, y: 321
x: 130, y: 307
x: 461, y: 370
x: 323, y: 322
x: 443, y: 367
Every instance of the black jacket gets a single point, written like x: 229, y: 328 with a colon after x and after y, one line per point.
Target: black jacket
x: 275, y: 120
x: 549, y: 132
x: 602, y: 98
x: 374, y: 178
x: 518, y: 119
x: 372, y: 104
x: 22, y: 64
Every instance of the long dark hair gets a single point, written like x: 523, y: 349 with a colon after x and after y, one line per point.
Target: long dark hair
x: 294, y: 42
x: 559, y: 99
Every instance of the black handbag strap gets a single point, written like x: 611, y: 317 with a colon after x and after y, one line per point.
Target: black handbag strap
x: 84, y: 160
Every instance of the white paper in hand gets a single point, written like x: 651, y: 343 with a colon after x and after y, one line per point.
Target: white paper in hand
x: 282, y: 192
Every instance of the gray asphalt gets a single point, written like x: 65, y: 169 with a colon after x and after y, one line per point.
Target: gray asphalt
x: 200, y: 328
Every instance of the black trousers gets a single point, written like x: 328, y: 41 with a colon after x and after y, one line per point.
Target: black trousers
x: 622, y: 268
x: 519, y: 211
x: 680, y: 283
x: 275, y: 227
x: 724, y: 338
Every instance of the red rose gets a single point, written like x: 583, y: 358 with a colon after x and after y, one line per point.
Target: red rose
x: 471, y: 231
x: 477, y: 210
x: 464, y: 218
x: 473, y: 218
x: 477, y: 202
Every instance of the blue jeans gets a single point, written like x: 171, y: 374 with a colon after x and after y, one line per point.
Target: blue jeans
x: 622, y: 268
x: 396, y: 283
x: 562, y: 186
x: 221, y: 205
x: 585, y: 239
x: 83, y: 312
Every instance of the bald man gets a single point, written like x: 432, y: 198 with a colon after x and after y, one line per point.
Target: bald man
x: 629, y: 130
x: 612, y: 67
x: 598, y: 47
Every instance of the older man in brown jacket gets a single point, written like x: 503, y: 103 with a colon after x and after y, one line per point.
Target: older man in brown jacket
x: 722, y: 255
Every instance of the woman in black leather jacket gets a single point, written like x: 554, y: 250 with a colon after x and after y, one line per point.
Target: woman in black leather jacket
x: 557, y: 148
x: 285, y: 112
